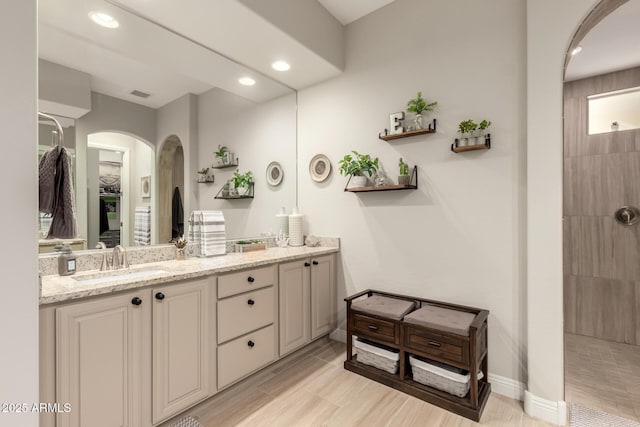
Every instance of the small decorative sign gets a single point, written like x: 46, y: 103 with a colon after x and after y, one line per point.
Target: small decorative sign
x: 395, y: 126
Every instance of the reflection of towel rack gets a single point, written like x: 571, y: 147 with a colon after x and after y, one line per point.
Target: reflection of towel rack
x: 59, y: 131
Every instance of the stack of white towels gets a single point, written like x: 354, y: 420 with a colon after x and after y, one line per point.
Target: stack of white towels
x: 142, y: 227
x: 206, y: 229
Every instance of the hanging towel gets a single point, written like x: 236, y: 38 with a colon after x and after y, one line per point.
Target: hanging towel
x: 207, y: 230
x: 104, y: 219
x: 46, y: 179
x: 177, y: 215
x: 63, y: 224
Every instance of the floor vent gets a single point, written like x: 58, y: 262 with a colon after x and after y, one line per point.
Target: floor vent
x: 187, y: 421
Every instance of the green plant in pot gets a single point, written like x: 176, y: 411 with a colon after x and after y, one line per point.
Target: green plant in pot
x: 203, y: 175
x: 242, y: 182
x: 403, y: 176
x: 465, y: 128
x: 417, y: 106
x: 221, y: 155
x: 358, y: 166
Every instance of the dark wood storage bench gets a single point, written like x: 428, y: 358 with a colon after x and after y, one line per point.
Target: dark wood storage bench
x: 447, y: 345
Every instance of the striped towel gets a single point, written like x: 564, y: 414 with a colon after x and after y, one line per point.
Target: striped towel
x: 206, y: 229
x: 142, y: 226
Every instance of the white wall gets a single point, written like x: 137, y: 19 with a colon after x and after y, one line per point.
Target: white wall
x: 550, y: 27
x: 62, y: 90
x: 459, y: 237
x: 19, y: 287
x: 258, y: 134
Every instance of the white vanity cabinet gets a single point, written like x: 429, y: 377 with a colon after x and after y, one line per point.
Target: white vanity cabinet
x: 183, y: 345
x: 102, y: 359
x: 307, y: 301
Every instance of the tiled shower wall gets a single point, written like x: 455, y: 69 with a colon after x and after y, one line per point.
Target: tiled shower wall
x: 601, y: 257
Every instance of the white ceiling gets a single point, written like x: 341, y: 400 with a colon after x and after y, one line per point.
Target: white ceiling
x: 347, y: 11
x: 613, y: 44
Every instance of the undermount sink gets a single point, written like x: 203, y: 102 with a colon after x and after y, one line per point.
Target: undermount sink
x: 118, y: 275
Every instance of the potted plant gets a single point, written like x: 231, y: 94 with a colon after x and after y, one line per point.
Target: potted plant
x: 614, y: 126
x: 418, y: 106
x: 403, y: 177
x: 180, y: 245
x: 465, y: 128
x: 482, y: 130
x: 242, y: 182
x: 203, y: 175
x: 357, y: 166
x: 221, y: 155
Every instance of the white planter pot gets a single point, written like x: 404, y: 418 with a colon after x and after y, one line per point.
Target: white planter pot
x: 358, y: 181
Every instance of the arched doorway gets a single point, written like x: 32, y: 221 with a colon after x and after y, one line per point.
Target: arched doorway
x: 601, y: 322
x: 170, y: 180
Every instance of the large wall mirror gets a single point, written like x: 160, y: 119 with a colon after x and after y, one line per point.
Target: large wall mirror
x: 144, y: 109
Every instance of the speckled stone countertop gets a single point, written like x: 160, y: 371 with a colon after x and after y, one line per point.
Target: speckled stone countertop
x: 64, y: 288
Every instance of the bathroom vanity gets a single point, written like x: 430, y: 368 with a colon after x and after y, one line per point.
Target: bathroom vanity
x: 154, y: 340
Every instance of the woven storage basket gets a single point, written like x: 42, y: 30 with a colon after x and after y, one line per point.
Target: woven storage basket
x: 443, y: 377
x: 377, y: 356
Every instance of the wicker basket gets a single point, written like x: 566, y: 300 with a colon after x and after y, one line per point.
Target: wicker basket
x: 443, y: 377
x: 381, y: 357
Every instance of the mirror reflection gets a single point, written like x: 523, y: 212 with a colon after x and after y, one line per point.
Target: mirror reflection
x: 141, y: 121
x: 614, y: 111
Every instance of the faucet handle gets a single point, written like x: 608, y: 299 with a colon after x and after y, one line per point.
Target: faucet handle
x: 105, y: 262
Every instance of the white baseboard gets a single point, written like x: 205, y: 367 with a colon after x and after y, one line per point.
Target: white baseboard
x: 547, y: 410
x: 507, y: 387
x: 339, y: 335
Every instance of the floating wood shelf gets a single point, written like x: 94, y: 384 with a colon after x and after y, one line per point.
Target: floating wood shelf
x: 230, y: 165
x: 462, y: 149
x: 209, y: 181
x: 236, y: 197
x: 430, y: 129
x: 413, y: 185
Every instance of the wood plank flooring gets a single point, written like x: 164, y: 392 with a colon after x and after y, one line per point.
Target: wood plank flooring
x: 603, y: 375
x: 311, y: 388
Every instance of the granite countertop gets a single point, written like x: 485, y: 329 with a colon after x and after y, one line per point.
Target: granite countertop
x: 56, y: 288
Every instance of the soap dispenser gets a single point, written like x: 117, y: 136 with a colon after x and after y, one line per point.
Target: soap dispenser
x: 66, y: 262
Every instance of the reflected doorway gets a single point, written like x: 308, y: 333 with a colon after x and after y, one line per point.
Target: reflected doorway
x: 118, y: 165
x: 170, y: 190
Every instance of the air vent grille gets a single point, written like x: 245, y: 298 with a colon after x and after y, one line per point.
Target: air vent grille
x: 139, y: 93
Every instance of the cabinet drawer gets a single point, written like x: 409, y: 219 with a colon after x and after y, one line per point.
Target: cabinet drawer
x: 247, y: 280
x: 245, y: 313
x: 431, y: 343
x: 246, y: 354
x: 376, y: 329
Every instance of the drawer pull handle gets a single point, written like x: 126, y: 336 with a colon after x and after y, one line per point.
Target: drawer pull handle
x: 306, y: 264
x: 251, y: 302
x: 136, y: 301
x: 372, y: 327
x: 315, y: 262
x: 434, y: 344
x: 251, y: 343
x: 159, y: 296
x: 250, y: 279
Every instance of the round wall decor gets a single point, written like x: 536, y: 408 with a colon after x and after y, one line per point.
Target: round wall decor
x: 274, y: 174
x: 319, y: 167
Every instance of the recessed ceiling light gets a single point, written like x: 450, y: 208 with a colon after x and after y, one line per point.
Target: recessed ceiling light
x: 103, y: 19
x: 280, y: 66
x: 246, y: 81
x: 576, y: 51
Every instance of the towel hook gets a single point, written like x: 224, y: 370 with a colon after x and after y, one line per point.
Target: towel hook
x: 58, y: 130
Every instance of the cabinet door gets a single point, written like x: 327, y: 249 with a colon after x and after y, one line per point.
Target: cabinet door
x: 323, y: 296
x: 294, y: 300
x: 100, y: 365
x: 182, y: 336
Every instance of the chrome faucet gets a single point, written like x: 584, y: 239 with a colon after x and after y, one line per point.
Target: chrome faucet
x: 119, y: 258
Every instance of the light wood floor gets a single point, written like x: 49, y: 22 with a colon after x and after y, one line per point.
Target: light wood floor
x: 311, y: 388
x: 604, y: 375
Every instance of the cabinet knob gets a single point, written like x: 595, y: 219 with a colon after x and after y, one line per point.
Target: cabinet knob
x: 136, y: 301
x: 251, y: 343
x: 250, y: 279
x: 160, y: 296
x: 306, y: 264
x: 251, y: 302
x: 315, y: 262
